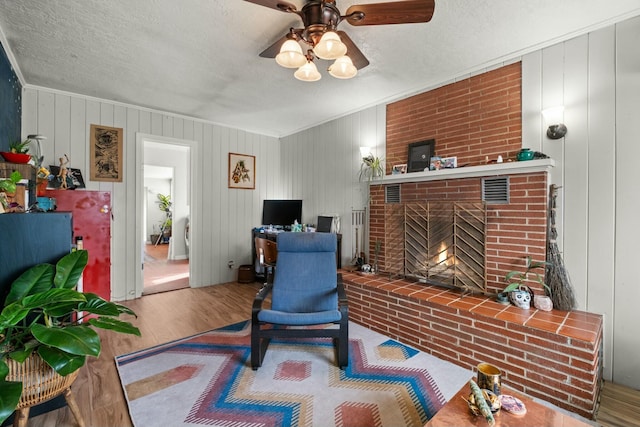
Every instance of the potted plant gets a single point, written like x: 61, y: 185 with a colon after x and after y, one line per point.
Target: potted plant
x: 43, y: 316
x: 8, y: 187
x: 18, y: 152
x: 517, y: 279
x: 164, y: 204
x: 371, y: 168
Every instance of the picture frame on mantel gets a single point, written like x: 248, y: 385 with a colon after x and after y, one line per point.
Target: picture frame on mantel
x: 242, y: 171
x: 106, y: 153
x: 420, y: 154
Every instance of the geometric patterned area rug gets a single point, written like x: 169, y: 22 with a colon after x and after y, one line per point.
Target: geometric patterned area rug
x: 207, y: 380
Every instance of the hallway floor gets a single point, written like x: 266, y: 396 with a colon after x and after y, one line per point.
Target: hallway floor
x: 161, y: 274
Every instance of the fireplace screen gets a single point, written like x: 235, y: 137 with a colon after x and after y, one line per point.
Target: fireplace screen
x: 437, y: 243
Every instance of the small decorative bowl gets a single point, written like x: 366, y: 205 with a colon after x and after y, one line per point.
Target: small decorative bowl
x: 16, y: 157
x: 525, y: 154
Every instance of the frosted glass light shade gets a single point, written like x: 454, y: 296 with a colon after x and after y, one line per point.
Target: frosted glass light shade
x: 330, y: 46
x: 290, y: 55
x: 308, y: 73
x: 343, y: 68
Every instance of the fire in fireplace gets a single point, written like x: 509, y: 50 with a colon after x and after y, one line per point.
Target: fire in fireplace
x: 440, y: 243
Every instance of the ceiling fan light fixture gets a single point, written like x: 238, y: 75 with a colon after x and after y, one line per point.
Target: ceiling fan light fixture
x: 308, y: 73
x: 291, y: 55
x: 330, y: 46
x: 343, y: 68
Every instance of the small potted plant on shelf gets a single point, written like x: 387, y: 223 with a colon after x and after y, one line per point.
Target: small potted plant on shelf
x: 8, y: 187
x: 518, y: 292
x: 18, y: 152
x: 371, y: 168
x: 44, y: 318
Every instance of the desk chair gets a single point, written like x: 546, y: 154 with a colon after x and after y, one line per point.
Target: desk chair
x: 267, y: 252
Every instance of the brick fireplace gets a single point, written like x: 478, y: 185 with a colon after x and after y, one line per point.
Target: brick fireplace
x: 556, y: 355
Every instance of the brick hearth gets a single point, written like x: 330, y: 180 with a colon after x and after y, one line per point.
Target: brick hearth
x: 555, y: 356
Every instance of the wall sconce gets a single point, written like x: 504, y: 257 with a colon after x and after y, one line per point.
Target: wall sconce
x: 365, y: 152
x: 553, y: 118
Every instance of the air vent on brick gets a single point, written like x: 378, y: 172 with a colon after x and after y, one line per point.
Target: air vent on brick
x: 495, y: 190
x: 392, y: 194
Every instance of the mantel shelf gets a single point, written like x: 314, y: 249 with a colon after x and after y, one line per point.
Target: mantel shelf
x: 495, y: 169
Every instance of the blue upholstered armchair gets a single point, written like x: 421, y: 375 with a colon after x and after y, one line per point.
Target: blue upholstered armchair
x: 307, y: 290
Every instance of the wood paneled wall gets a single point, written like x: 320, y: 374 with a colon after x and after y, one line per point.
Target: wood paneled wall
x: 597, y: 78
x: 221, y: 228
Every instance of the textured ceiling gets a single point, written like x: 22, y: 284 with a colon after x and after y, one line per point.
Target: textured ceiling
x: 199, y: 58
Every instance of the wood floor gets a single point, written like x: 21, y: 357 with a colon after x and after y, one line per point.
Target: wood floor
x: 172, y: 315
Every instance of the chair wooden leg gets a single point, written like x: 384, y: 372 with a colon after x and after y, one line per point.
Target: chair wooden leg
x: 21, y: 417
x: 73, y: 406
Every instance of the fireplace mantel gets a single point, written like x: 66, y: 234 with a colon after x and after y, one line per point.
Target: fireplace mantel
x: 495, y: 169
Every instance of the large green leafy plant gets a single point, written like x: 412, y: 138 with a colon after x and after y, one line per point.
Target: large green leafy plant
x: 44, y: 313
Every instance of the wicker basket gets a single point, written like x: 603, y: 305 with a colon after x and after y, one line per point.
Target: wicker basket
x: 40, y: 382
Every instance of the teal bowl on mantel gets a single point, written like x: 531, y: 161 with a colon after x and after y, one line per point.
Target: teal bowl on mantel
x: 525, y: 154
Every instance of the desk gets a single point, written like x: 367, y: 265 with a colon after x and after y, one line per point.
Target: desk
x: 273, y: 236
x: 457, y: 413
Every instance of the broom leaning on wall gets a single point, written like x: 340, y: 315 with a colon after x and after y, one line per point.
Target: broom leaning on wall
x: 556, y: 275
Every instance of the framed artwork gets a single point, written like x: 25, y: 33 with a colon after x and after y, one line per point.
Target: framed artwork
x: 74, y: 178
x: 106, y: 153
x: 242, y: 171
x: 420, y: 154
x: 399, y: 169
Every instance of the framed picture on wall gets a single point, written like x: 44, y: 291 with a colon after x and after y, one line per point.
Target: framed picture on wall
x: 242, y: 171
x: 105, y: 144
x: 420, y: 154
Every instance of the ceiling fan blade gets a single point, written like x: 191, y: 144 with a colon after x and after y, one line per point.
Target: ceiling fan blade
x: 359, y: 60
x: 281, y: 5
x: 400, y: 12
x: 274, y: 49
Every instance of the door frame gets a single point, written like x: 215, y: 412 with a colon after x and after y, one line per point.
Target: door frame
x: 194, y: 205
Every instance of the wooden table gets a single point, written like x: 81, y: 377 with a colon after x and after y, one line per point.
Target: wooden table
x: 457, y: 413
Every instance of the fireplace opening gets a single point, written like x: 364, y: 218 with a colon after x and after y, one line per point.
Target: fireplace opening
x: 440, y: 243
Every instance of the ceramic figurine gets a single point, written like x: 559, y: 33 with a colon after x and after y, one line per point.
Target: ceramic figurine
x: 521, y: 298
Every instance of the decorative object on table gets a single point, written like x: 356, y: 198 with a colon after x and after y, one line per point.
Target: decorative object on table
x: 512, y: 404
x: 371, y: 168
x: 106, y: 153
x: 480, y: 402
x: 242, y: 171
x: 489, y: 377
x: 522, y: 294
x: 556, y: 274
x: 73, y: 179
x: 399, y: 169
x: 420, y: 154
x: 43, y: 314
x: 491, y: 399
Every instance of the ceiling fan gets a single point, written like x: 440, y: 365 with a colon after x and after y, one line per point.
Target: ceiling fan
x: 320, y: 34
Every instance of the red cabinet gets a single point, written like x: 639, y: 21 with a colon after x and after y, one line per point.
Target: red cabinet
x: 92, y: 220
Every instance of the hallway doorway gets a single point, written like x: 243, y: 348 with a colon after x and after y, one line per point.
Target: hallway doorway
x: 164, y: 196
